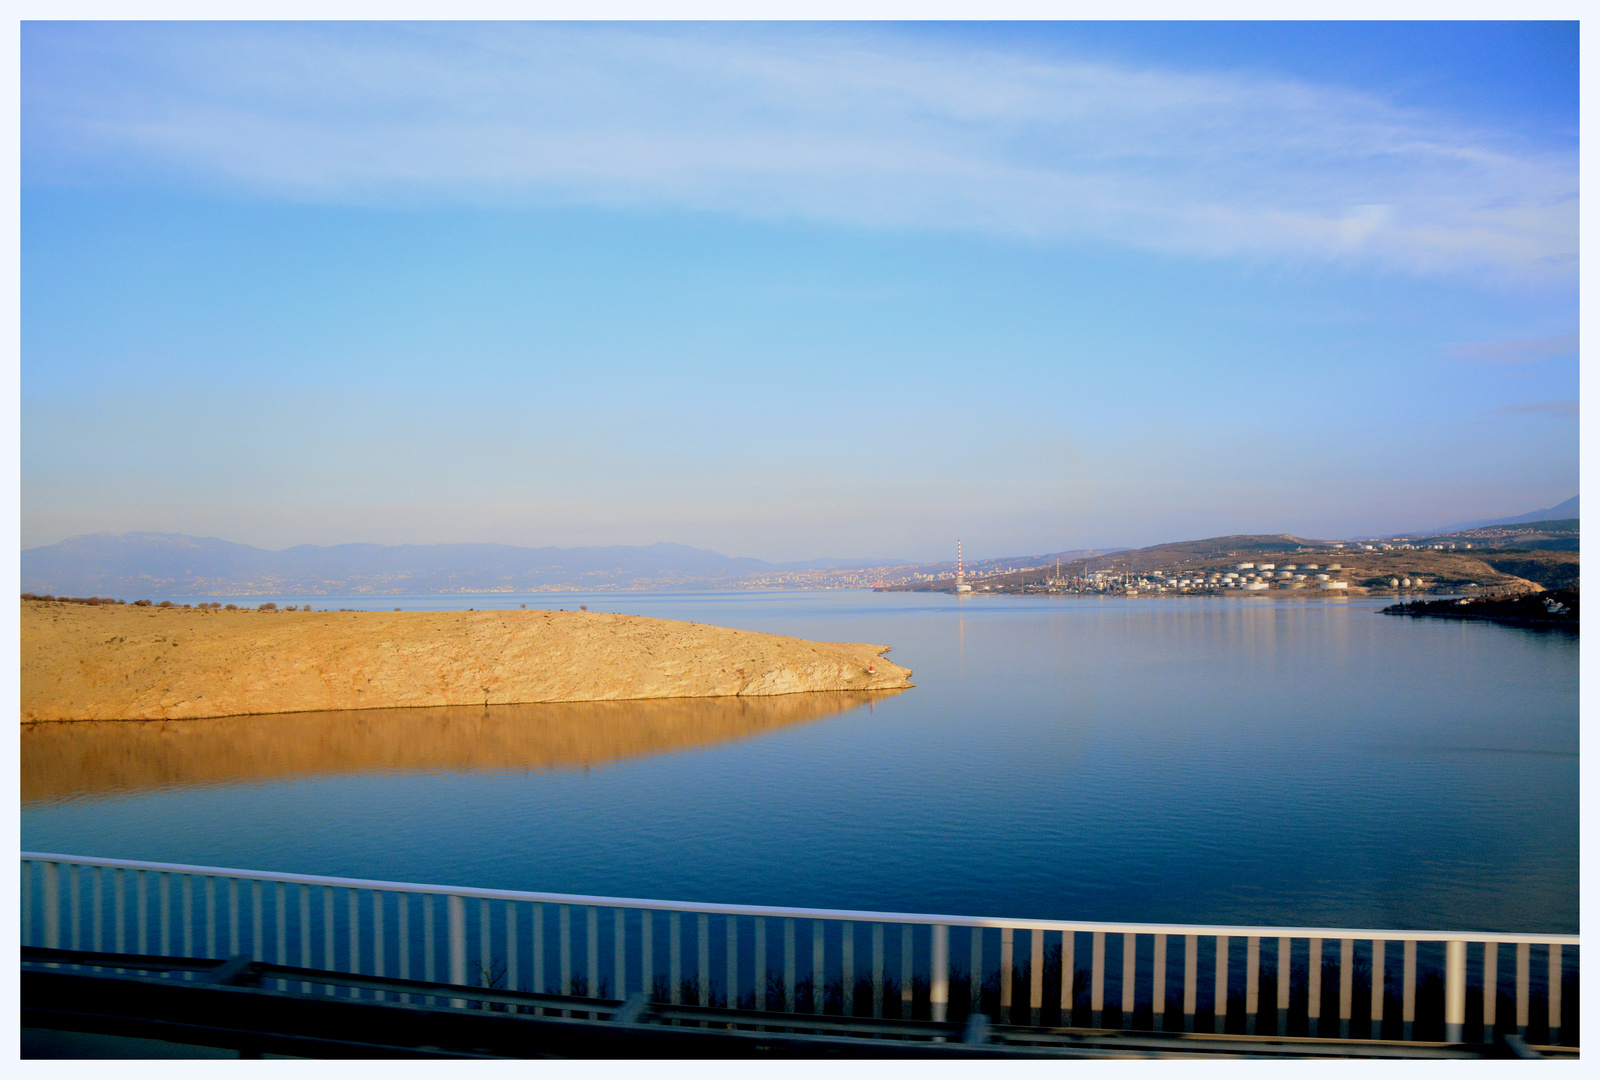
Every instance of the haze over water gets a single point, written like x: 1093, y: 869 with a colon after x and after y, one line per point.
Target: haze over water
x: 1228, y: 760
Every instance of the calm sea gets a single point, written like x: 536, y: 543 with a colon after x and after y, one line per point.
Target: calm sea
x: 1229, y: 760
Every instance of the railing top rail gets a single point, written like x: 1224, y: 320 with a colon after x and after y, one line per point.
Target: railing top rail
x: 808, y: 913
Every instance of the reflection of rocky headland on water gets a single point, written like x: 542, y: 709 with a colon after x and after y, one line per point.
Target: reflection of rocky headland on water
x: 94, y: 758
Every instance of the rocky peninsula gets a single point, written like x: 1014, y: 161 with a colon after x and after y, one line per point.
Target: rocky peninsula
x: 121, y: 662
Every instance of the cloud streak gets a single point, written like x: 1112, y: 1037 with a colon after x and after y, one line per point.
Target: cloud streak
x: 851, y: 126
x: 1564, y: 410
x: 1518, y: 351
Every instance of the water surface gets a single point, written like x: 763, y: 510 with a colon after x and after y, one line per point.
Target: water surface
x: 1229, y: 760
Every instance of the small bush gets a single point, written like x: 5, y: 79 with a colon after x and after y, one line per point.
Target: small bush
x: 268, y: 607
x: 165, y: 603
x: 30, y: 596
x: 141, y: 603
x: 231, y: 607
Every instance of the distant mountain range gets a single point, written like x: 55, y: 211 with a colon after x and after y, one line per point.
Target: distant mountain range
x: 165, y: 564
x: 1560, y: 512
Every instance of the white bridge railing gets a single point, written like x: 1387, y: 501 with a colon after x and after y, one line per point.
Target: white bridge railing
x: 1322, y: 982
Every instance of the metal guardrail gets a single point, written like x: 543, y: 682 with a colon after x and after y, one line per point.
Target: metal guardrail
x: 393, y: 928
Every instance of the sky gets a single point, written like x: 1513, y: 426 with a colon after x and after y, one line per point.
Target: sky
x: 796, y: 290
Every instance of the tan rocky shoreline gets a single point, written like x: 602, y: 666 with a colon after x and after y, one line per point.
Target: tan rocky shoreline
x: 120, y: 662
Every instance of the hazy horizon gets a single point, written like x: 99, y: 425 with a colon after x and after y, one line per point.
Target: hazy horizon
x: 796, y: 291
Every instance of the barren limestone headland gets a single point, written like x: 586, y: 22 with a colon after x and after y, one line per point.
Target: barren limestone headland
x: 118, y: 662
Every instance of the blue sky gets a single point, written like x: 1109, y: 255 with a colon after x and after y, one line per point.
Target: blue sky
x: 795, y: 291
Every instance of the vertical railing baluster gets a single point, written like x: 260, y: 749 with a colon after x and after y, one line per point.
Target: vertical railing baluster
x: 1252, y: 982
x: 975, y: 979
x: 564, y: 919
x: 119, y: 909
x: 27, y: 901
x: 1069, y: 975
x: 142, y: 910
x: 1036, y: 980
x: 818, y: 973
x: 1553, y: 995
x: 1491, y: 988
x: 703, y: 941
x: 675, y: 956
x: 352, y: 899
x: 486, y: 946
x: 456, y: 916
x: 75, y: 906
x: 257, y: 929
x: 906, y: 956
x: 619, y: 952
x: 1314, y: 989
x: 592, y: 950
x: 1379, y: 984
x: 233, y: 920
x: 1455, y: 991
x: 281, y: 910
x: 541, y: 978
x: 1130, y: 943
x: 1007, y: 957
x: 758, y: 964
x: 788, y: 965
x: 429, y: 939
x: 1285, y: 972
x: 377, y: 934
x: 647, y: 943
x: 99, y: 910
x: 186, y: 912
x: 305, y: 932
x: 164, y: 912
x: 51, y: 901
x: 1097, y: 979
x: 1347, y: 978
x: 402, y: 903
x: 1408, y: 990
x: 1522, y: 990
x: 847, y: 968
x: 327, y: 933
x: 732, y: 927
x: 513, y: 980
x: 211, y: 917
x: 939, y: 973
x: 1191, y: 978
x: 877, y: 969
x: 1219, y: 993
x: 1158, y: 985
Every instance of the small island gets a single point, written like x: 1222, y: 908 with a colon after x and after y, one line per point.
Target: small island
x: 111, y: 661
x: 1556, y: 608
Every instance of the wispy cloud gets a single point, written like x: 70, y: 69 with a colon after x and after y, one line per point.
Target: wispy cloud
x: 1518, y: 351
x: 854, y: 126
x: 1562, y: 409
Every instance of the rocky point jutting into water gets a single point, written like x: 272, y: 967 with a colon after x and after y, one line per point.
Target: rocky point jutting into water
x: 114, y: 662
